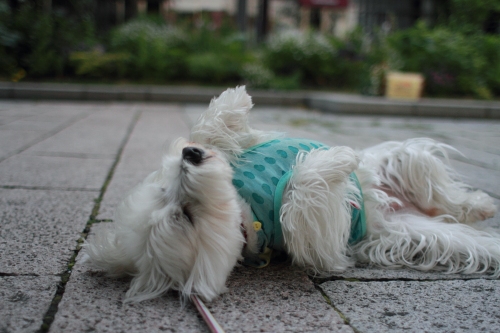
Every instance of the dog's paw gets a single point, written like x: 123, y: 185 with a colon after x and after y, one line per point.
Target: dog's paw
x: 479, y: 207
x: 334, y: 164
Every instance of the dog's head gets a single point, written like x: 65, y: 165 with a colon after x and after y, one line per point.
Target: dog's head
x: 181, y: 226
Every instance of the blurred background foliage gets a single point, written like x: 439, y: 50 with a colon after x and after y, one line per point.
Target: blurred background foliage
x: 456, y: 55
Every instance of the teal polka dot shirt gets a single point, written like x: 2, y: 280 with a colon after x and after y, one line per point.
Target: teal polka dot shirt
x: 260, y: 177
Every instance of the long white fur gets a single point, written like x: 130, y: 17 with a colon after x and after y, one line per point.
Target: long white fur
x: 401, y: 182
x: 414, y: 171
x: 320, y: 191
x: 418, y: 171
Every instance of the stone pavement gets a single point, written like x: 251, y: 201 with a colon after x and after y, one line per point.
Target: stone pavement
x: 65, y: 165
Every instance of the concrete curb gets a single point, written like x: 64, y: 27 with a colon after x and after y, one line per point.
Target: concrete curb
x: 327, y: 102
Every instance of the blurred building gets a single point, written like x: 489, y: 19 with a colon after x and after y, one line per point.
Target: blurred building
x: 331, y: 16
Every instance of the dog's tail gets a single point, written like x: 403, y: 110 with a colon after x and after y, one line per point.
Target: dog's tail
x: 425, y: 243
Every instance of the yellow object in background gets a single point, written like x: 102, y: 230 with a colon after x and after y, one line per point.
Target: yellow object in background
x: 404, y: 85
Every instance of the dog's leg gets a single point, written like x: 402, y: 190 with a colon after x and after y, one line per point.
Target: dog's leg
x: 416, y: 171
x: 316, y: 212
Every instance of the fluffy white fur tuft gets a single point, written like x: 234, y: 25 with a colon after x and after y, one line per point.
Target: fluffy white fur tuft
x: 417, y: 171
x: 413, y: 202
x: 316, y: 214
x: 224, y: 124
x: 424, y: 243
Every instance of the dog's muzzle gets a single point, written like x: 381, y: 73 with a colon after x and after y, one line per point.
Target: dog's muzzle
x: 193, y: 155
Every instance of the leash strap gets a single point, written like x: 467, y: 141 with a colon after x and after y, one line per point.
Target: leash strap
x: 212, y: 324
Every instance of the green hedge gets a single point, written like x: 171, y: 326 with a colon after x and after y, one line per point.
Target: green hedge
x: 40, y: 43
x: 454, y: 62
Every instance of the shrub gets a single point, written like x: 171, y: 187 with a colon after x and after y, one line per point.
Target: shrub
x: 156, y: 51
x: 99, y: 64
x: 450, y: 61
x: 216, y: 56
x: 308, y: 55
x: 211, y: 67
x: 9, y: 40
x: 489, y: 46
x: 40, y: 42
x: 258, y: 76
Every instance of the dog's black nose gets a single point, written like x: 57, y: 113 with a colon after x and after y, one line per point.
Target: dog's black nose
x: 193, y: 155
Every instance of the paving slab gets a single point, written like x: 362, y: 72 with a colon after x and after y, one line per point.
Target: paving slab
x: 13, y: 141
x: 417, y: 306
x: 278, y: 298
x: 157, y: 127
x: 100, y: 133
x: 54, y: 172
x: 5, y: 120
x: 366, y: 272
x: 479, y: 177
x: 39, y: 229
x: 25, y: 131
x: 93, y: 303
x: 24, y: 300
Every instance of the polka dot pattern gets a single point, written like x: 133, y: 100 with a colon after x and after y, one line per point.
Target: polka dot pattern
x: 259, y: 167
x: 258, y: 199
x: 267, y: 189
x: 238, y: 183
x: 305, y: 147
x: 270, y: 160
x: 249, y: 175
x: 282, y: 153
x: 259, y: 170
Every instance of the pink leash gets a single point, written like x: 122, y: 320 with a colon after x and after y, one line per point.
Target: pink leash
x: 212, y: 324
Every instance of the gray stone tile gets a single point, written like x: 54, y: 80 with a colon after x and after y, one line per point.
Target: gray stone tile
x: 18, y: 108
x: 476, y: 176
x: 65, y: 109
x: 4, y: 120
x: 24, y: 300
x: 30, y: 129
x: 158, y: 126
x: 93, y: 302
x: 12, y: 141
x: 100, y: 133
x: 54, y: 172
x: 36, y: 123
x: 417, y: 306
x: 278, y: 298
x: 367, y: 273
x: 193, y: 111
x: 39, y: 229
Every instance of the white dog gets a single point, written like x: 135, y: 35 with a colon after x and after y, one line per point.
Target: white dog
x: 216, y: 202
